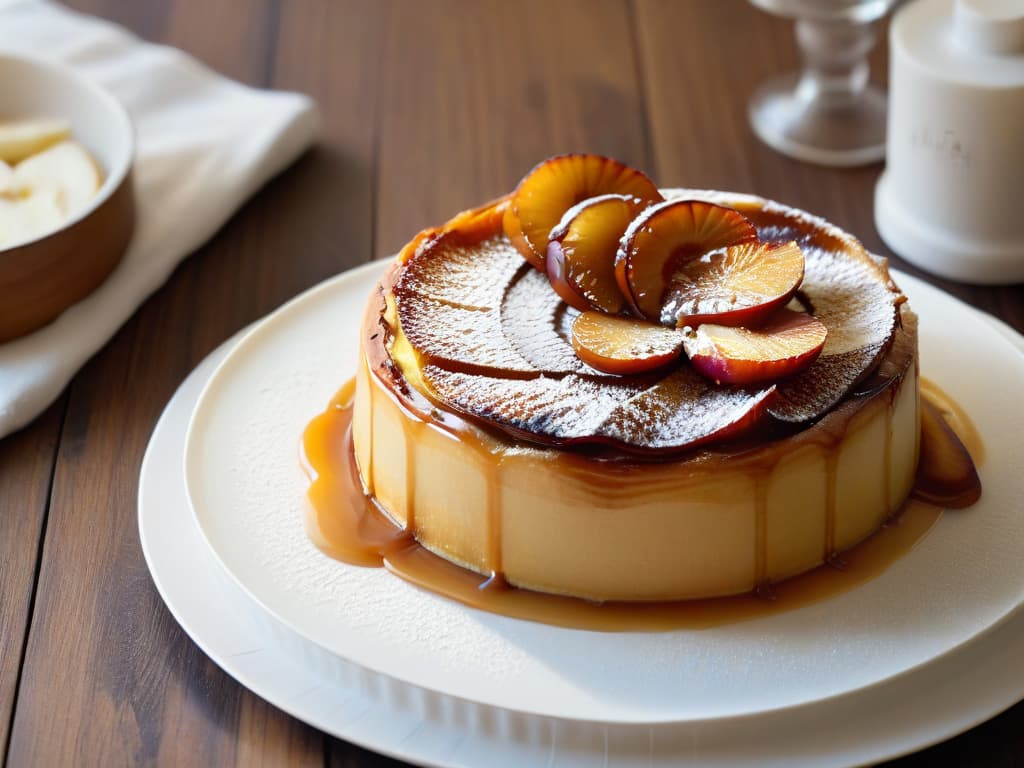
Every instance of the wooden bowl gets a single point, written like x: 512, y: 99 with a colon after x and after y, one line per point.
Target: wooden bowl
x: 41, y: 278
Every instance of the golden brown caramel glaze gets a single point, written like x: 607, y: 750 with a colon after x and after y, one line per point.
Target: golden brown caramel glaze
x: 957, y: 418
x: 554, y: 186
x: 946, y: 474
x: 623, y: 345
x: 336, y: 492
x: 345, y: 522
x: 665, y: 239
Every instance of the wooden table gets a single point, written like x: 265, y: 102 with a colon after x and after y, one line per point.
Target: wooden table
x: 428, y: 107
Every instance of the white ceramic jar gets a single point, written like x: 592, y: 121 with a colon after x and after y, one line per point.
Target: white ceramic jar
x: 951, y: 199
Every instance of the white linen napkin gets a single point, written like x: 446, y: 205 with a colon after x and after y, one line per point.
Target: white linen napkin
x: 203, y: 145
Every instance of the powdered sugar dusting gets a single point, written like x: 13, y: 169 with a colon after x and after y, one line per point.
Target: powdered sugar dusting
x: 459, y: 337
x: 466, y: 276
x: 742, y: 276
x: 815, y: 390
x: 680, y: 410
x: 684, y: 408
x: 567, y: 408
x: 859, y: 311
x: 529, y: 317
x: 849, y: 290
x: 846, y: 295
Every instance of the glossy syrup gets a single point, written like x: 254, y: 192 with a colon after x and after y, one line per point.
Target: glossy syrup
x: 345, y: 522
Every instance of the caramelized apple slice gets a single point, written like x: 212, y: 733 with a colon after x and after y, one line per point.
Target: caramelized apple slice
x: 855, y: 300
x: 465, y: 263
x: 740, y: 285
x: 622, y: 345
x: 444, y: 270
x: 683, y: 411
x: 557, y: 184
x: 459, y: 338
x: 787, y: 344
x: 449, y: 297
x: 480, y: 307
x: 678, y: 412
x: 946, y: 475
x: 548, y: 410
x: 532, y: 319
x: 665, y: 237
x: 847, y: 289
x: 581, y: 252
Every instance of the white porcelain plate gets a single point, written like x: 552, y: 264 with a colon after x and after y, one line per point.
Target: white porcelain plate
x: 246, y: 490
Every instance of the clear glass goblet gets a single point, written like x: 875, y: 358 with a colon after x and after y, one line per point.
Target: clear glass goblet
x: 829, y: 113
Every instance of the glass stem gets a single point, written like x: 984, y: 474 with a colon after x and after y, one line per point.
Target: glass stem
x: 835, y: 60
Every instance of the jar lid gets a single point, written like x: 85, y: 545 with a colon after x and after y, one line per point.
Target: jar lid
x: 989, y: 26
x: 971, y: 42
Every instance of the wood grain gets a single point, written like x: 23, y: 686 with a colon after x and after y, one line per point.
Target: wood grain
x: 471, y: 100
x: 426, y: 108
x: 26, y: 470
x: 332, y: 51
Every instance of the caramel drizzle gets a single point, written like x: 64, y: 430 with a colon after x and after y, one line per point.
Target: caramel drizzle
x: 368, y: 473
x: 887, y: 483
x: 761, y: 531
x: 347, y: 524
x: 831, y: 470
x: 494, y: 549
x: 410, y: 474
x: 956, y: 417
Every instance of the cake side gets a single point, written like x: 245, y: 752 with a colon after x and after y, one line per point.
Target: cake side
x: 709, y: 525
